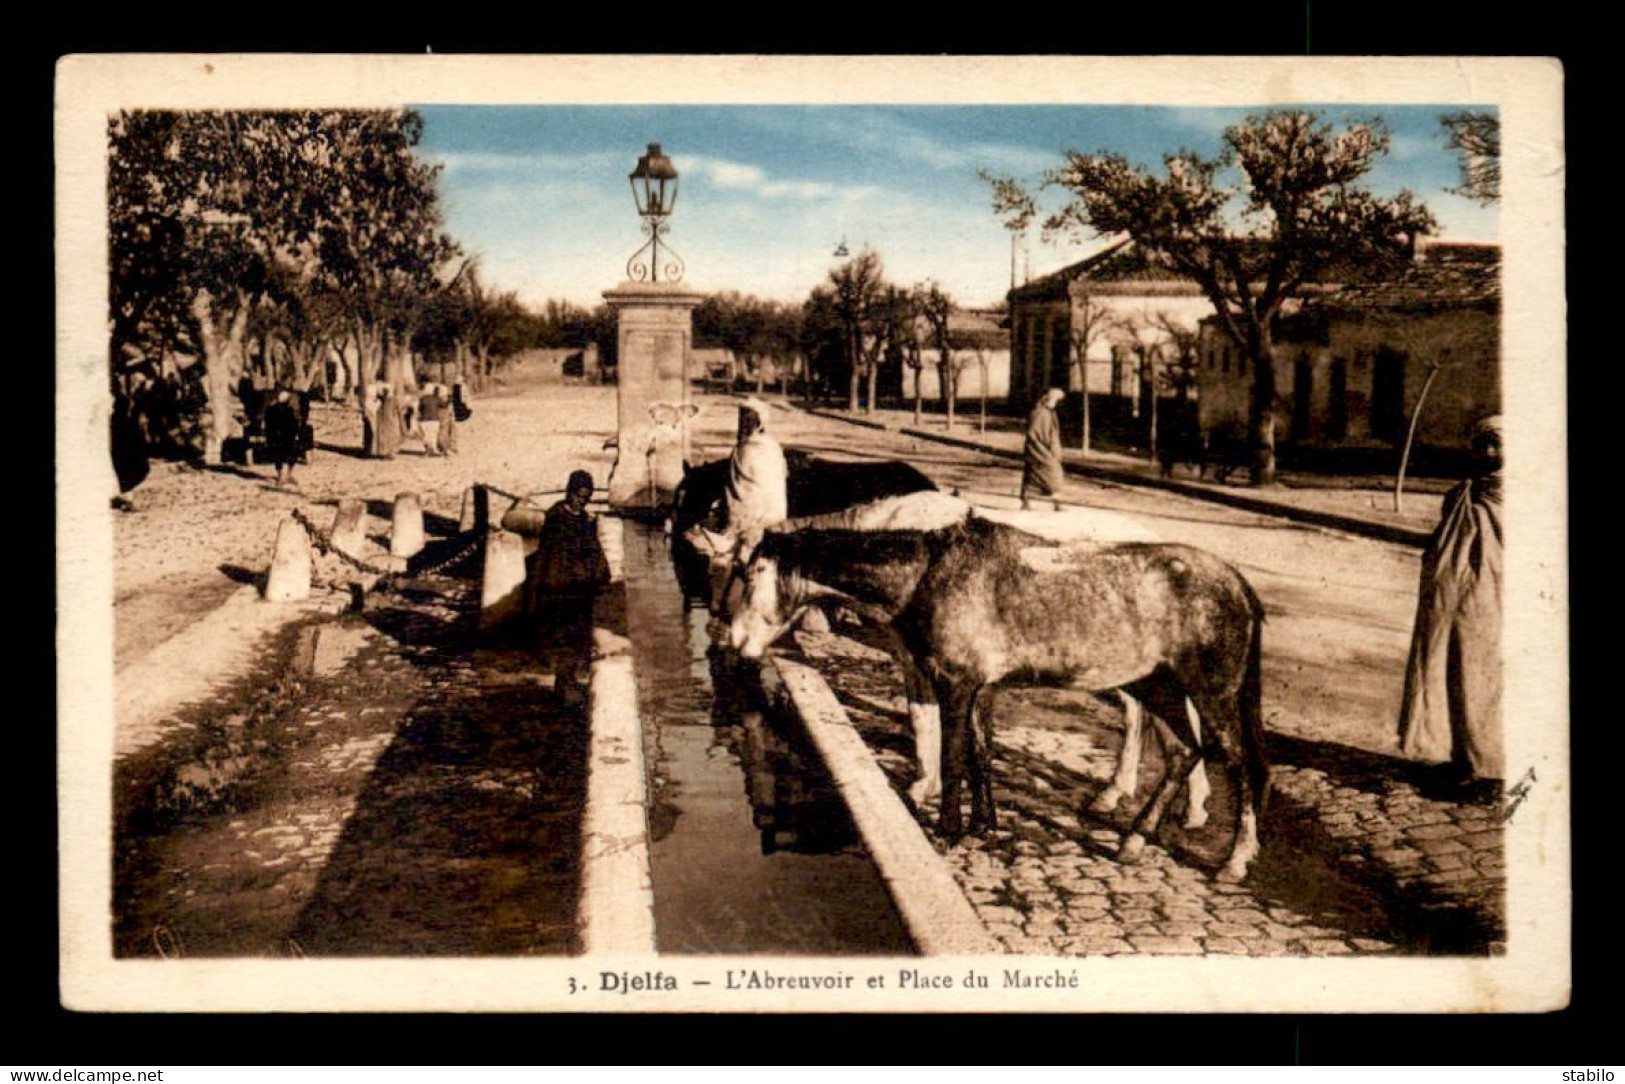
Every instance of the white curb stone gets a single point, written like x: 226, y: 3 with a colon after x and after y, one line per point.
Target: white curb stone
x: 939, y: 918
x: 616, y: 914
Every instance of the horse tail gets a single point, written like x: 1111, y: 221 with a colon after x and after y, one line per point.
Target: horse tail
x: 1252, y: 703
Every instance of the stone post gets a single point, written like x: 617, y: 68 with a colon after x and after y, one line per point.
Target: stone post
x: 289, y: 577
x: 406, y: 526
x: 502, y: 582
x: 349, y: 531
x: 655, y: 322
x: 476, y: 513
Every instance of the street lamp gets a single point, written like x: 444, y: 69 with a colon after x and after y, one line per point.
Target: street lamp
x: 654, y: 191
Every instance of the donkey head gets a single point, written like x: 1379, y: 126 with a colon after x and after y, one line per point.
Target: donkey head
x: 764, y: 607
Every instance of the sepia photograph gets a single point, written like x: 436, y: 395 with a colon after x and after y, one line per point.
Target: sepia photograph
x: 956, y: 534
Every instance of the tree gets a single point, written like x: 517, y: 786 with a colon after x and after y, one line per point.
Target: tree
x: 745, y: 325
x: 195, y: 213
x: 1180, y: 342
x: 379, y: 233
x: 935, y: 308
x: 783, y: 342
x: 1302, y: 213
x: 1476, y: 139
x: 301, y: 319
x: 213, y: 216
x: 856, y: 286
x: 1015, y: 207
x: 919, y: 299
x: 823, y: 343
x: 891, y: 332
x: 1143, y: 338
x: 1088, y: 322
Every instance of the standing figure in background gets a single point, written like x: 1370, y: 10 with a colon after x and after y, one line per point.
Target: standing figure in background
x: 282, y: 435
x: 369, y: 421
x: 129, y: 442
x: 448, y: 420
x: 429, y: 419
x: 307, y: 432
x: 757, y: 492
x: 462, y: 403
x: 1452, y: 704
x: 390, y: 429
x: 1041, y: 471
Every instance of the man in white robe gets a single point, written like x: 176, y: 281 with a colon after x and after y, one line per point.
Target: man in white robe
x: 757, y: 492
x: 1452, y: 702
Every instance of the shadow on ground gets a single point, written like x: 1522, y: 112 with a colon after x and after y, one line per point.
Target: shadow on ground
x: 465, y: 840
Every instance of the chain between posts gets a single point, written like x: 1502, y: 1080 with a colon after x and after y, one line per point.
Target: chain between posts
x: 438, y: 566
x: 323, y: 541
x: 514, y: 497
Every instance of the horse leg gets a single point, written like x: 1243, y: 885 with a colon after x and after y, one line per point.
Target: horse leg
x: 955, y: 705
x: 1177, y: 761
x: 1127, y: 775
x: 983, y: 814
x: 956, y: 701
x: 1226, y: 728
x: 925, y: 719
x: 1197, y: 790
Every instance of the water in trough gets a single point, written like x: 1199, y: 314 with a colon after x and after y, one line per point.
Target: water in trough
x: 752, y: 849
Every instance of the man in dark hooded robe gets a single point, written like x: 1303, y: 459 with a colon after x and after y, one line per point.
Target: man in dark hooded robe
x: 1042, y: 471
x: 566, y: 571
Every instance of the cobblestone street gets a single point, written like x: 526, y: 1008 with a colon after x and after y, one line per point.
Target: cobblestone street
x: 1355, y: 858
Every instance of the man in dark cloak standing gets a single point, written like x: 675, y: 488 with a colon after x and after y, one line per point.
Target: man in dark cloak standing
x: 1042, y: 472
x: 567, y: 570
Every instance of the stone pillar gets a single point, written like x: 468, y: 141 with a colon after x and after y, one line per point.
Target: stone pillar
x: 406, y: 526
x: 349, y: 527
x: 289, y: 578
x: 655, y: 323
x: 502, y: 581
x: 476, y: 512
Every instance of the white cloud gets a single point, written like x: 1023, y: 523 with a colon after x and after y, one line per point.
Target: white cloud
x: 753, y: 180
x: 879, y: 133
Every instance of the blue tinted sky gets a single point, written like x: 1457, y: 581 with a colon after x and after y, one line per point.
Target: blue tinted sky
x: 767, y: 192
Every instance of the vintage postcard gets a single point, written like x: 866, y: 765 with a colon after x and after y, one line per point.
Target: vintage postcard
x: 858, y: 534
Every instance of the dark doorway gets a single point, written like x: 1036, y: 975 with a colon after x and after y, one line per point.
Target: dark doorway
x: 1337, y: 406
x: 1058, y: 356
x: 1388, y: 396
x: 1303, y: 376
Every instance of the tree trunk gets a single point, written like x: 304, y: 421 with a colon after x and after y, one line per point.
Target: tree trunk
x: 398, y: 363
x: 1261, y: 428
x: 369, y: 346
x: 854, y: 354
x: 919, y: 371
x: 1083, y: 382
x: 343, y: 372
x: 302, y: 356
x: 981, y: 415
x: 950, y: 389
x: 222, y: 337
x: 1152, y: 442
x: 874, y: 371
